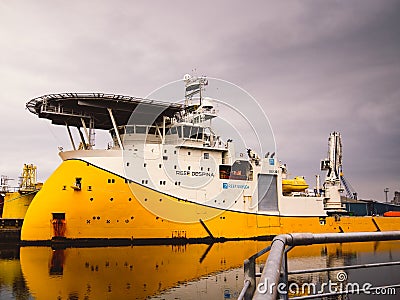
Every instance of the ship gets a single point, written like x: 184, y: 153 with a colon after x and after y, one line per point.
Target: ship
x: 14, y: 202
x: 167, y: 175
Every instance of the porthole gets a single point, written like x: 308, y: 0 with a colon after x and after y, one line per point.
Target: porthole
x: 91, y: 199
x: 111, y: 199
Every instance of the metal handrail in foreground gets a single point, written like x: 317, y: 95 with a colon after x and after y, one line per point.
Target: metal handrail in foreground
x: 277, y: 259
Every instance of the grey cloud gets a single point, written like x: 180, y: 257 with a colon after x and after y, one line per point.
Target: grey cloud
x: 314, y: 66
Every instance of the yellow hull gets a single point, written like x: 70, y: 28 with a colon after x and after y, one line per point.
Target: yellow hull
x: 111, y: 209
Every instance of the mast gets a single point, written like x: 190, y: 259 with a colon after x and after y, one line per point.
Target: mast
x: 193, y: 86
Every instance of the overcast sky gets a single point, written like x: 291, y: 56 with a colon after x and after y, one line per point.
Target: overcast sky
x: 314, y: 67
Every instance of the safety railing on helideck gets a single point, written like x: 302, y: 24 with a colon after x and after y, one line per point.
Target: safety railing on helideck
x: 274, y: 277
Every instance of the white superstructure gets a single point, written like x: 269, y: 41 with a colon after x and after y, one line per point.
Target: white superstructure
x: 180, y: 155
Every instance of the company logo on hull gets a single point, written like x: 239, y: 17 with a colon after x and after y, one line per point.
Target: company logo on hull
x: 226, y: 186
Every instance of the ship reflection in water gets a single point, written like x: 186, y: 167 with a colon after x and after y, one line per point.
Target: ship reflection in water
x: 194, y: 271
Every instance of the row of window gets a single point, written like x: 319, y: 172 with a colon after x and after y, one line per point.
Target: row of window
x: 163, y: 182
x: 206, y: 155
x: 189, y: 167
x: 192, y: 132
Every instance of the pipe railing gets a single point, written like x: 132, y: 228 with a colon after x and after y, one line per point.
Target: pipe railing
x: 276, y: 269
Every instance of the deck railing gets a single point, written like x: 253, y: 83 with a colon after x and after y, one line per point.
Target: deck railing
x: 275, y: 274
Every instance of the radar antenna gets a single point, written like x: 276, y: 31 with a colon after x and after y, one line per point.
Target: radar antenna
x: 193, y: 86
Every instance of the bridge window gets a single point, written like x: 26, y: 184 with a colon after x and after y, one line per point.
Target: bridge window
x: 192, y: 132
x: 186, y: 131
x: 141, y: 129
x: 172, y: 130
x: 130, y: 129
x: 179, y: 131
x: 152, y: 130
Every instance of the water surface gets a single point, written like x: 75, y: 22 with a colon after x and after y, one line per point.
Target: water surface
x: 194, y: 271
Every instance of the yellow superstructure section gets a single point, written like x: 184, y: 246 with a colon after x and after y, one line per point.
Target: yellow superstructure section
x: 16, y: 204
x: 82, y: 201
